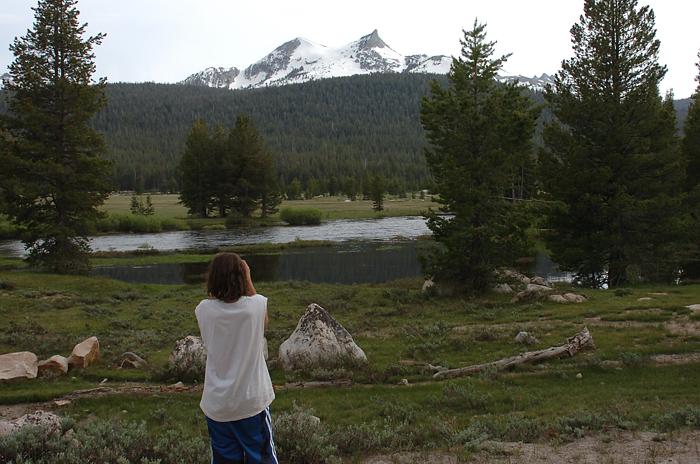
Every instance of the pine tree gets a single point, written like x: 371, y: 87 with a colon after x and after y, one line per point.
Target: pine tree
x: 611, y: 158
x: 53, y: 177
x: 377, y: 190
x: 691, y: 139
x: 691, y: 153
x: 194, y: 169
x: 479, y: 133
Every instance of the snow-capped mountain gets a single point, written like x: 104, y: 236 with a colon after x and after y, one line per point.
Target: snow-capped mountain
x: 301, y: 60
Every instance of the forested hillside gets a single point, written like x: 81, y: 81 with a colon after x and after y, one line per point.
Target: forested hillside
x: 343, y: 128
x: 334, y: 127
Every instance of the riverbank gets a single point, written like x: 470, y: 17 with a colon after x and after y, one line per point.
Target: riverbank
x: 622, y: 385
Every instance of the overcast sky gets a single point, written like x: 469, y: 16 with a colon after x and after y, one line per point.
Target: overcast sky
x: 166, y: 40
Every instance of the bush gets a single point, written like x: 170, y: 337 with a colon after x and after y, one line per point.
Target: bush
x: 300, y: 439
x: 301, y: 217
x: 103, y: 441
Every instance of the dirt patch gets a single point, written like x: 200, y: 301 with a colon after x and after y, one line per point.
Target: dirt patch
x: 684, y: 328
x: 681, y: 358
x: 616, y: 448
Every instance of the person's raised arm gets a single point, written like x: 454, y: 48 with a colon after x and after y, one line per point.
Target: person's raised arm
x: 250, y: 288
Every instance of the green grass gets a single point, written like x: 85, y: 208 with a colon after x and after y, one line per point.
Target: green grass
x: 168, y: 206
x: 392, y: 322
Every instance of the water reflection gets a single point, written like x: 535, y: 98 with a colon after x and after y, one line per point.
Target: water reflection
x: 357, y: 263
x: 342, y: 264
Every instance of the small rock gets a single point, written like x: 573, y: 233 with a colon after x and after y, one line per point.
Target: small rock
x: 503, y: 289
x: 428, y: 286
x: 179, y: 386
x: 61, y: 403
x: 103, y: 381
x: 20, y: 365
x: 52, y: 367
x: 644, y: 298
x: 557, y: 299
x: 525, y: 338
x: 579, y: 376
x: 574, y: 298
x: 694, y: 307
x: 537, y: 280
x: 132, y: 361
x: 610, y: 364
x: 658, y: 293
x: 532, y: 292
x: 319, y: 341
x: 85, y: 353
x: 314, y: 421
x: 404, y: 382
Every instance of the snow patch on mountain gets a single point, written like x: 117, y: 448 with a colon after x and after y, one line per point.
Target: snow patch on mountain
x: 301, y: 60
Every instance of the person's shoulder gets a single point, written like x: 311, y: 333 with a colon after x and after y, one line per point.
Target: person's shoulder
x: 258, y: 298
x: 204, y: 304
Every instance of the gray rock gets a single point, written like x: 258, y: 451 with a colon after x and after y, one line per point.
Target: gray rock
x: 557, y: 299
x: 539, y: 281
x: 525, y: 338
x: 694, y: 307
x: 503, y: 289
x: 46, y: 420
x: 20, y: 365
x: 319, y: 341
x: 532, y: 292
x: 574, y: 298
x: 131, y: 360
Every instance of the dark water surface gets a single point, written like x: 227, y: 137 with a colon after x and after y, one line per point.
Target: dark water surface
x: 365, y: 262
x: 343, y: 264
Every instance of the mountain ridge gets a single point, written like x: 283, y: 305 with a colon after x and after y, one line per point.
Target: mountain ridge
x: 302, y: 60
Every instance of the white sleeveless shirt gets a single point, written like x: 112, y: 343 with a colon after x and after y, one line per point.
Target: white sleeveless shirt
x: 237, y: 383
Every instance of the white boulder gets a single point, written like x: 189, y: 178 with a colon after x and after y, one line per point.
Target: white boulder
x: 20, y: 365
x: 319, y: 341
x: 574, y: 298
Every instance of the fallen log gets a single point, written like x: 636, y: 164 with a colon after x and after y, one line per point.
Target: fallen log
x: 579, y: 342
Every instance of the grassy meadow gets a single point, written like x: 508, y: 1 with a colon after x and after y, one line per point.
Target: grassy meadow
x: 620, y: 387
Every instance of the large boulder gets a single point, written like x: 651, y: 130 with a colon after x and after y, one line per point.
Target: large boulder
x: 85, y: 353
x: 319, y: 341
x: 54, y: 366
x: 46, y: 420
x: 574, y: 298
x: 503, y: 289
x: 21, y: 365
x: 189, y: 358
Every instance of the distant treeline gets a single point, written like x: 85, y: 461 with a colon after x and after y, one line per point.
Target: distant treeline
x: 329, y: 132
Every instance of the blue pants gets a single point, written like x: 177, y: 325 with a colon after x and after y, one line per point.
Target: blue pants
x: 246, y: 441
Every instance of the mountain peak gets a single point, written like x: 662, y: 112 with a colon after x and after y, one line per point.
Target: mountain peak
x: 371, y: 41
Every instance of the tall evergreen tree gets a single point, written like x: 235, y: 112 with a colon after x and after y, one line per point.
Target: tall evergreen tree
x: 479, y: 133
x: 691, y: 139
x: 194, y: 169
x: 377, y: 191
x: 691, y: 152
x: 53, y: 177
x: 611, y: 157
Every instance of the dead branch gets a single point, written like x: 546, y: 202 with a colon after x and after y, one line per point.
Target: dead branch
x: 579, y: 342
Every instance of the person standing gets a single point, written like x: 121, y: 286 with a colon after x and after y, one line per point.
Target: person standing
x: 237, y: 386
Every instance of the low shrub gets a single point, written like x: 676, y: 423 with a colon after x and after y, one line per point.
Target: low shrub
x: 300, y: 438
x: 301, y: 216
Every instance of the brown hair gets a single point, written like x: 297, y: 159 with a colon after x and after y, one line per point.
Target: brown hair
x: 225, y: 278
